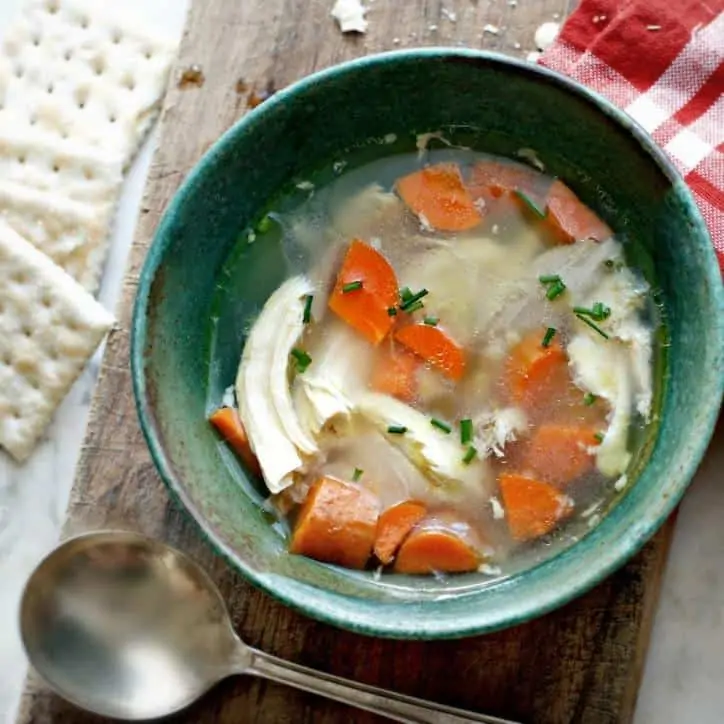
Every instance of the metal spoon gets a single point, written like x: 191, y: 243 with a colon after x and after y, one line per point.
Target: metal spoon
x: 127, y: 627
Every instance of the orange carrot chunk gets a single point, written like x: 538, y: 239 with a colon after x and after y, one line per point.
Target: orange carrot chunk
x: 532, y: 507
x: 394, y: 526
x: 560, y: 453
x: 430, y: 550
x: 570, y: 219
x: 395, y: 373
x: 490, y: 180
x: 336, y: 524
x: 226, y: 420
x: 366, y: 288
x: 531, y: 367
x: 435, y: 347
x: 438, y: 196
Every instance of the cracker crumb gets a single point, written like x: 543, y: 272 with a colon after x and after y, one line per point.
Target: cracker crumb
x: 350, y: 16
x: 497, y: 508
x: 620, y: 484
x: 449, y: 14
x: 653, y: 27
x: 491, y: 29
x: 546, y: 34
x: 488, y: 570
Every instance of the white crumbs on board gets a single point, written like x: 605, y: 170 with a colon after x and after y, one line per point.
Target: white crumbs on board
x: 546, y: 34
x: 350, y: 16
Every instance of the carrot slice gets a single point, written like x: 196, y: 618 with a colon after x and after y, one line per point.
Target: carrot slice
x: 435, y: 347
x: 337, y: 524
x: 438, y: 195
x: 365, y: 308
x: 490, y: 180
x: 532, y: 507
x: 395, y: 373
x: 430, y: 550
x: 227, y: 421
x: 394, y: 525
x: 570, y: 219
x: 560, y: 453
x: 531, y: 367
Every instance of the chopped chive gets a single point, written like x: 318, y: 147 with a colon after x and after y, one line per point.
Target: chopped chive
x: 307, y: 316
x: 441, y: 425
x: 555, y: 290
x: 592, y: 325
x: 589, y: 398
x: 357, y: 474
x: 470, y: 453
x: 264, y: 225
x: 548, y: 336
x: 549, y: 279
x: 413, y: 307
x: 598, y: 436
x: 302, y: 359
x: 431, y: 321
x: 392, y: 311
x: 413, y: 299
x: 405, y: 294
x: 466, y: 431
x: 532, y: 205
x: 397, y: 429
x: 352, y: 286
x: 601, y: 311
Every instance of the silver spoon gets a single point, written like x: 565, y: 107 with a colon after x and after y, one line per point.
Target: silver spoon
x: 127, y: 627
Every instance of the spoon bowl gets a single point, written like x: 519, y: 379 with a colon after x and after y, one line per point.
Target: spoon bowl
x: 127, y: 627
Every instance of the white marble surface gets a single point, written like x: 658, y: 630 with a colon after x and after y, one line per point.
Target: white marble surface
x: 685, y: 665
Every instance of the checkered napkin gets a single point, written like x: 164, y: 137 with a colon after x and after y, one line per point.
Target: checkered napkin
x: 662, y: 61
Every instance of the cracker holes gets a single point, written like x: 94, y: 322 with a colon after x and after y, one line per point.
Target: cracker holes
x: 27, y: 331
x: 19, y: 71
x: 99, y: 66
x: 84, y: 22
x: 22, y: 159
x: 88, y: 173
x: 128, y: 82
x: 68, y: 54
x: 50, y: 89
x: 116, y: 36
x: 112, y: 118
x: 6, y: 358
x: 32, y: 119
x: 36, y: 40
x: 81, y: 97
x: 18, y: 277
x: 46, y: 301
x: 56, y: 167
x: 52, y: 6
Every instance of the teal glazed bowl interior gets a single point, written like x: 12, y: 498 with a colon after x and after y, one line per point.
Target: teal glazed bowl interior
x: 493, y: 104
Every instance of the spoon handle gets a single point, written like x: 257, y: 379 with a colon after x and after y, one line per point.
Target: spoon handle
x: 397, y: 707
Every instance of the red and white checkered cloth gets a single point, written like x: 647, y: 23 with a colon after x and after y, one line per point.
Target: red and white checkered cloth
x: 662, y: 61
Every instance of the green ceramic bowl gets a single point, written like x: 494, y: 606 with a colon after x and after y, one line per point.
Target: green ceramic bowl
x: 497, y: 105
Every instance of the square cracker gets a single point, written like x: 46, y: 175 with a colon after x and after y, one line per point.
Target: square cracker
x: 49, y: 328
x: 79, y: 90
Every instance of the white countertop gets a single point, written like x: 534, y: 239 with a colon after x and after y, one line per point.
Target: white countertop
x: 684, y: 676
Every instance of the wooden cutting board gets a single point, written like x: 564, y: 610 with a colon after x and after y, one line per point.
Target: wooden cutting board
x: 582, y: 663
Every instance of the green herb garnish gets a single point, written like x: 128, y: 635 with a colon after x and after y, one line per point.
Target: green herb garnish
x: 357, y: 474
x: 397, y: 429
x: 593, y: 326
x: 466, y: 431
x: 307, y: 316
x: 599, y: 437
x: 441, y: 425
x: 548, y: 336
x: 549, y: 279
x: 413, y: 307
x: 589, y: 398
x: 413, y: 299
x: 555, y: 290
x: 532, y: 205
x: 598, y: 312
x: 392, y: 311
x: 302, y: 359
x: 405, y: 294
x: 431, y: 321
x: 554, y: 284
x: 352, y: 286
x: 264, y: 225
x: 470, y: 453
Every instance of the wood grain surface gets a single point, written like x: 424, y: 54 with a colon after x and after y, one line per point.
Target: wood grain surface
x: 580, y: 664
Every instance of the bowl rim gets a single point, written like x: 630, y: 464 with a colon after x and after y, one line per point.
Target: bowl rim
x: 307, y: 599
